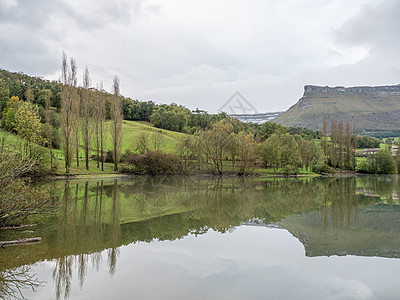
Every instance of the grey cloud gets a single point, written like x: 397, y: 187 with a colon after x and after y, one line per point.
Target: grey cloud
x: 97, y: 14
x: 32, y: 33
x: 375, y: 26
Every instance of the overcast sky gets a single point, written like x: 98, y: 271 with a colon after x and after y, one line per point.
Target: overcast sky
x: 200, y: 52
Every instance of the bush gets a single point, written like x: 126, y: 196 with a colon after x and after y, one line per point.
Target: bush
x: 379, y: 163
x: 368, y: 142
x: 55, y: 137
x: 109, y: 157
x: 384, y: 162
x: 323, y: 168
x: 154, y: 163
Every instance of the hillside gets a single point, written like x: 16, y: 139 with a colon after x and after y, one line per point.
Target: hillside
x: 131, y: 132
x: 374, y: 110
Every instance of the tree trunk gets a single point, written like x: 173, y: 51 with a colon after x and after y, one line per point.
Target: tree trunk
x: 21, y: 241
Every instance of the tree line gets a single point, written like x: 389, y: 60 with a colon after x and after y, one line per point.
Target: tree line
x: 84, y: 110
x: 216, y: 142
x: 165, y: 116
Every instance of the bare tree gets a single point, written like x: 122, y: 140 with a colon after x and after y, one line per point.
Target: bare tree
x: 69, y: 116
x: 349, y: 148
x: 86, y: 116
x: 75, y: 96
x: 334, y: 135
x: 117, y: 118
x: 340, y: 141
x: 99, y: 121
x: 47, y: 117
x: 142, y: 143
x: 157, y: 140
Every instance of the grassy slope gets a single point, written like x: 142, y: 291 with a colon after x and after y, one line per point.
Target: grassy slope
x: 131, y: 131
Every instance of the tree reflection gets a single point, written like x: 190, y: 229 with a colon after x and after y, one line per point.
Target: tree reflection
x: 84, y: 222
x: 62, y: 276
x: 96, y: 218
x: 14, y: 281
x: 113, y: 252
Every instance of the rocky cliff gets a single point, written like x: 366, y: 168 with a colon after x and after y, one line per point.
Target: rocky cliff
x: 374, y: 110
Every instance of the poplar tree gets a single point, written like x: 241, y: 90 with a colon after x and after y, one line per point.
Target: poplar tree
x: 86, y: 116
x: 117, y: 118
x: 349, y: 148
x: 75, y: 96
x: 48, y: 128
x: 28, y: 94
x: 100, y: 118
x: 333, y: 143
x: 340, y: 142
x: 324, y: 141
x: 69, y: 112
x: 354, y: 144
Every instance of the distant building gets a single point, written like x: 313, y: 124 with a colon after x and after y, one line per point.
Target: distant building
x: 367, y: 151
x: 395, y: 150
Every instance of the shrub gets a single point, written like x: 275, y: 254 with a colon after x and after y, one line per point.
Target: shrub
x: 109, y: 156
x: 154, y: 163
x: 323, y: 168
x: 384, y: 162
x: 379, y: 163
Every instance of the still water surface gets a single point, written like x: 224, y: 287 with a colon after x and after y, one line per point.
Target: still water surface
x: 190, y: 238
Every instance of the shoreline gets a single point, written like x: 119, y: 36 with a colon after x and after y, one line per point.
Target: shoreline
x: 201, y: 175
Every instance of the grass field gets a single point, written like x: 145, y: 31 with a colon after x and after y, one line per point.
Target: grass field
x: 131, y: 131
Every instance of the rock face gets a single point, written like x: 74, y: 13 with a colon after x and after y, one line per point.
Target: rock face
x: 365, y: 90
x: 374, y: 110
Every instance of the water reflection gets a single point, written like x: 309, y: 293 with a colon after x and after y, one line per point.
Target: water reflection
x: 329, y: 216
x: 13, y: 281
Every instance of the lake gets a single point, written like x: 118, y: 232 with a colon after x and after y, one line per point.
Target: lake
x: 208, y: 238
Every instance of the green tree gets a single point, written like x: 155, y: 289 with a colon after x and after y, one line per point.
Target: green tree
x: 10, y: 112
x: 271, y: 152
x: 282, y: 151
x: 214, y: 145
x: 29, y: 94
x: 267, y: 129
x: 384, y: 162
x: 4, y: 96
x: 324, y: 140
x: 315, y: 154
x: 48, y: 126
x: 290, y: 155
x: 247, y: 152
x: 27, y: 122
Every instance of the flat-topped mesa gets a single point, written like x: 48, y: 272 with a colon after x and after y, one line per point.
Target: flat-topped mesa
x: 366, y: 90
x: 373, y: 110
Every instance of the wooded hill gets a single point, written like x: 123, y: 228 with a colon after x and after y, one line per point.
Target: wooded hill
x: 374, y: 110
